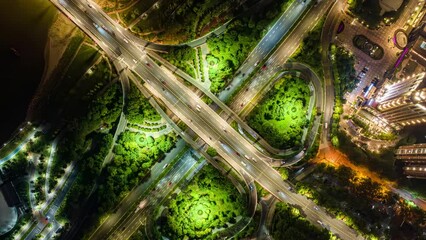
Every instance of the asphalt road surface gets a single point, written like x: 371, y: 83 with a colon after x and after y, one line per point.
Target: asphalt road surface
x: 193, y: 111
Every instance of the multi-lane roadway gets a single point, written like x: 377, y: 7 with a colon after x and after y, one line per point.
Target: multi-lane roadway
x: 274, y: 35
x: 328, y: 32
x: 281, y: 56
x: 185, y: 104
x: 129, y: 225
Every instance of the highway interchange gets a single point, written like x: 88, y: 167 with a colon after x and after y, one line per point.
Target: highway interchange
x: 185, y: 104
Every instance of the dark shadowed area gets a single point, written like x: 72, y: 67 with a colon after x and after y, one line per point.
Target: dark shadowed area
x: 24, y: 25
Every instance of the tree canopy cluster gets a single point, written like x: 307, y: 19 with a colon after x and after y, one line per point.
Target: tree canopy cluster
x: 183, y: 58
x: 210, y: 202
x: 289, y: 224
x: 212, y: 152
x: 89, y: 145
x: 309, y: 51
x: 90, y: 169
x: 367, y: 10
x: 370, y: 12
x: 137, y: 109
x: 358, y: 200
x: 179, y: 21
x: 345, y: 63
x: 17, y: 166
x: 281, y: 116
x: 344, y: 81
x: 230, y: 49
x: 103, y: 111
x: 85, y: 106
x: 134, y: 156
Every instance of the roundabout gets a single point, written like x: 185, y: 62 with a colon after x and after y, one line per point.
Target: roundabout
x: 400, y: 39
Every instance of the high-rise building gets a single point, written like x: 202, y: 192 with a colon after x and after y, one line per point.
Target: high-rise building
x: 414, y: 158
x: 406, y: 109
x: 401, y: 87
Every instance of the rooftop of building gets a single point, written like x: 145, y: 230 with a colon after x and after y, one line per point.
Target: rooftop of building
x: 418, y: 145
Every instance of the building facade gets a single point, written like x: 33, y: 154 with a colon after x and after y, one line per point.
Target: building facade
x: 406, y: 109
x: 398, y: 88
x: 414, y: 159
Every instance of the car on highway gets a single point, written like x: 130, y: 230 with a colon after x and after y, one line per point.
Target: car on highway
x: 165, y: 165
x: 341, y: 27
x: 281, y: 193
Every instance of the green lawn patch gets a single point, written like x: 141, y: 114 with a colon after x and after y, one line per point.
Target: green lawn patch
x: 79, y: 85
x: 210, y: 202
x: 85, y: 57
x: 281, y: 116
x: 87, y: 86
